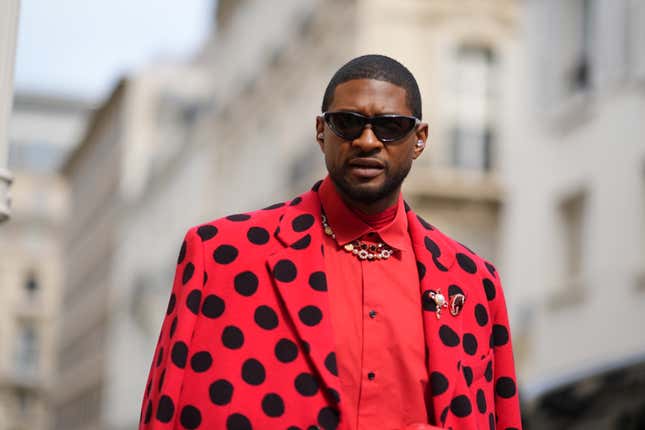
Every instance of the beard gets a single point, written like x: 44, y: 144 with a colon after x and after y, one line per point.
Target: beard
x: 365, y: 193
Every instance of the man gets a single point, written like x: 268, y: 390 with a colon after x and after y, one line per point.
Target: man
x: 341, y: 308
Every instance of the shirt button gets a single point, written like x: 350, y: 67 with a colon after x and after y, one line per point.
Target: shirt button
x: 371, y: 376
x: 372, y: 314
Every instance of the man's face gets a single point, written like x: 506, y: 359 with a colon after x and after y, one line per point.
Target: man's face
x: 365, y: 169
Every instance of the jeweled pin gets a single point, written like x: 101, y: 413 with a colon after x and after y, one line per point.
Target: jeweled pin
x: 439, y: 301
x: 457, y: 304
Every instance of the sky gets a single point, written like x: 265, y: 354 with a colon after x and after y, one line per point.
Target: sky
x: 81, y: 48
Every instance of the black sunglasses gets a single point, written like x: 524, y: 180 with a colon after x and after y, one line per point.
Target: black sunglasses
x: 387, y: 128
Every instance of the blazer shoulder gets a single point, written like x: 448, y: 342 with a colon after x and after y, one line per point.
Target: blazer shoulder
x: 466, y: 257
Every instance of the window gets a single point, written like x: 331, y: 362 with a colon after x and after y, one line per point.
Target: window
x: 576, y: 34
x: 474, y: 95
x: 27, y: 350
x: 572, y: 211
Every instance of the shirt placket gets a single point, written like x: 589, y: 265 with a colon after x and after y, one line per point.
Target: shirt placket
x: 371, y: 387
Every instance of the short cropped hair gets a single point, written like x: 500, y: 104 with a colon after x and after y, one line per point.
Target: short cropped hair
x: 377, y: 67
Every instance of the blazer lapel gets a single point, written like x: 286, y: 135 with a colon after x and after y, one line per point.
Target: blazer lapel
x: 435, y: 257
x: 298, y: 273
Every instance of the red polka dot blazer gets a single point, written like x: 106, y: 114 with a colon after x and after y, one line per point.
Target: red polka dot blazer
x: 240, y: 350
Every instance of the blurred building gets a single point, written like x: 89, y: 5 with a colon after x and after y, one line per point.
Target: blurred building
x: 42, y: 129
x: 574, y: 247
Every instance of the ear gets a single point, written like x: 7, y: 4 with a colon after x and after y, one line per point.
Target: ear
x: 320, y: 131
x: 420, y: 135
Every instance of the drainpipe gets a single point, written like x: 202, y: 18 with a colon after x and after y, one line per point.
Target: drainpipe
x: 9, y: 10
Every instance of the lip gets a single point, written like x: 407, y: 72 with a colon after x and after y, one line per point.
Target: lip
x: 366, y: 168
x: 367, y: 163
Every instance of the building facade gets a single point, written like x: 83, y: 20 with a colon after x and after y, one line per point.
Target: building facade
x: 574, y: 236
x: 42, y: 129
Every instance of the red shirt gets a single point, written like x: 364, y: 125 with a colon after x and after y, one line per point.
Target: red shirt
x: 377, y: 318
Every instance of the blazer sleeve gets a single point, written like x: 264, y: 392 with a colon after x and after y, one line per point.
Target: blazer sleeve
x: 163, y: 389
x: 507, y: 405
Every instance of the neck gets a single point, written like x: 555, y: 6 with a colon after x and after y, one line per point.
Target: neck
x: 370, y: 208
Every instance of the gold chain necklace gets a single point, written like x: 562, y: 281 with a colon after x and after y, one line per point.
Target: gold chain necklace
x: 362, y: 250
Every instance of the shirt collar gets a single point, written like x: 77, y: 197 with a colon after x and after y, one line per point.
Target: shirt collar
x: 348, y: 226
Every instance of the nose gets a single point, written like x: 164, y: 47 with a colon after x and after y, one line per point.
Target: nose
x: 367, y: 141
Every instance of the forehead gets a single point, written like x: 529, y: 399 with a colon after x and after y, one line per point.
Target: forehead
x: 370, y: 97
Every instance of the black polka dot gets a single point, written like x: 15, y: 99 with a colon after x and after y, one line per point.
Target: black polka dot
x: 448, y: 336
x: 333, y: 395
x: 201, y: 361
x: 318, y: 281
x: 505, y: 387
x: 253, y: 372
x: 148, y: 415
x: 470, y: 344
x: 500, y: 335
x: 306, y: 384
x: 468, y: 374
x: 421, y: 269
x: 207, y: 232
x: 173, y: 327
x: 159, y: 357
x: 149, y: 387
x: 466, y: 263
x: 189, y: 269
x: 491, y: 268
x: 266, y: 317
x: 274, y: 206
x: 310, y: 315
x: 246, y: 283
x: 286, y: 351
x: 488, y: 373
x: 238, y: 422
x: 455, y: 289
x: 438, y: 383
x: 220, y: 392
x: 225, y: 254
x: 171, y: 304
x: 328, y: 418
x: 295, y: 201
x: 258, y: 235
x: 481, y: 315
x: 182, y: 253
x: 273, y: 405
x: 179, y: 354
x: 460, y: 406
x: 444, y: 414
x: 238, y: 217
x: 193, y: 300
x: 302, y: 243
x: 165, y: 409
x: 285, y: 271
x: 161, y: 379
x: 489, y: 288
x: 481, y: 401
x: 213, y: 306
x: 302, y: 222
x: 205, y: 278
x: 425, y: 223
x: 232, y: 337
x: 491, y: 421
x: 190, y: 417
x: 330, y: 363
x: 432, y: 247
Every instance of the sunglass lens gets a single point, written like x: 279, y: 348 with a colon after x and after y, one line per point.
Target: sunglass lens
x: 348, y: 125
x: 390, y: 128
